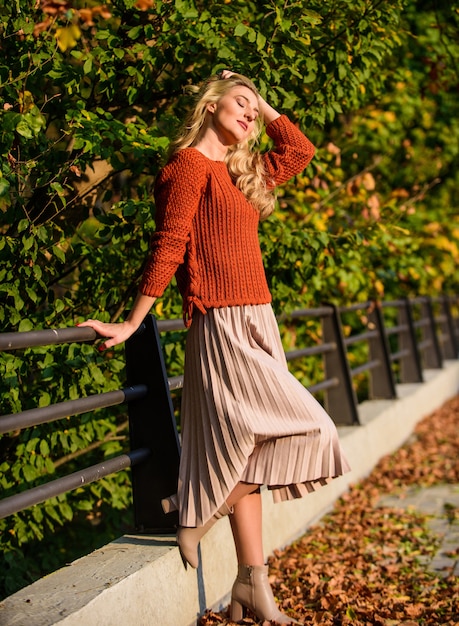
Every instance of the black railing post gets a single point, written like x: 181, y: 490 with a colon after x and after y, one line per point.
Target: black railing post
x: 341, y: 400
x: 454, y: 302
x: 410, y: 363
x: 152, y: 425
x: 449, y: 344
x: 432, y: 354
x: 382, y: 383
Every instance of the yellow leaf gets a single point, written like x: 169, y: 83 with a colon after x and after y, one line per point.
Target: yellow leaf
x: 26, y: 101
x: 390, y: 116
x: 68, y: 36
x: 320, y: 223
x: 405, y: 231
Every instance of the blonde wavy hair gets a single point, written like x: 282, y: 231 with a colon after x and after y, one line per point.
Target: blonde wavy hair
x: 245, y: 164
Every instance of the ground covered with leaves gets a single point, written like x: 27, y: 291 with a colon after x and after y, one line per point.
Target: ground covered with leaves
x: 366, y: 564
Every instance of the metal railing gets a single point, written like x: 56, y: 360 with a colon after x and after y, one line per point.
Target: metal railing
x: 154, y: 441
x: 400, y: 338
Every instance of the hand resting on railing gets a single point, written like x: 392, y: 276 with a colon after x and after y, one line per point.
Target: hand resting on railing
x: 121, y: 331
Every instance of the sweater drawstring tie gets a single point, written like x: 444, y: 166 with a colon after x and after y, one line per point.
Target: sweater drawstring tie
x: 191, y: 303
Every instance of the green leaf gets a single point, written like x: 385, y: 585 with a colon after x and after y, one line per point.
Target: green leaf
x: 59, y: 305
x: 261, y: 41
x: 25, y: 325
x: 51, y: 511
x: 23, y: 128
x: 23, y: 224
x: 59, y: 253
x: 66, y: 510
x: 240, y: 30
x: 45, y: 399
x: 44, y: 447
x: 57, y: 187
x: 30, y: 473
x: 133, y: 33
x: 4, y: 186
x: 87, y: 67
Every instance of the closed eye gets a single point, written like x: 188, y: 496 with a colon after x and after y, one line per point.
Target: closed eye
x: 242, y: 102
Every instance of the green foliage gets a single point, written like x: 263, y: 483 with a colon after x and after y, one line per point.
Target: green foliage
x: 90, y: 97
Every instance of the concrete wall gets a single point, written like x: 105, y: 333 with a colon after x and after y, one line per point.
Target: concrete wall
x: 140, y: 580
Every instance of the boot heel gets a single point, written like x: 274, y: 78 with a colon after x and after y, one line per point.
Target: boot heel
x: 169, y: 504
x: 251, y: 590
x: 236, y: 611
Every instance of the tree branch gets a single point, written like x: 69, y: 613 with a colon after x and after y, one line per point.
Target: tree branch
x: 94, y: 445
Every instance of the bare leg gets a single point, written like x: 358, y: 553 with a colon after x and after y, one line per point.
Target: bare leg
x: 246, y: 524
x: 240, y: 491
x: 251, y: 588
x: 247, y: 511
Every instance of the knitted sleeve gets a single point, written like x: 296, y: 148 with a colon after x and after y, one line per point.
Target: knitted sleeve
x: 178, y: 190
x: 291, y: 154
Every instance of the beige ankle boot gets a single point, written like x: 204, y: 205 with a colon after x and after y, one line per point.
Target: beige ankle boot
x: 252, y: 590
x: 188, y: 538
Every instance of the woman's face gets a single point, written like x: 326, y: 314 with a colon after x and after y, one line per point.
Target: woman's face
x: 233, y: 116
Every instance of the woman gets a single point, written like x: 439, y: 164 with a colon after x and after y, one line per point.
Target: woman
x: 246, y: 421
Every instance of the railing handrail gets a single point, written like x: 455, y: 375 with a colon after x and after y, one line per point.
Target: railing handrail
x: 56, y: 487
x: 47, y: 337
x: 53, y: 412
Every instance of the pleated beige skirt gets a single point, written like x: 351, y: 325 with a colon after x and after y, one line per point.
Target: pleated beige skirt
x: 244, y: 417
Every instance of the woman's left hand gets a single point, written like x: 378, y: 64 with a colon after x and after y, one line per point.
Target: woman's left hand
x: 226, y: 73
x: 268, y: 112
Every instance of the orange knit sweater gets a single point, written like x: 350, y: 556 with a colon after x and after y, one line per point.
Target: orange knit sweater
x: 207, y: 231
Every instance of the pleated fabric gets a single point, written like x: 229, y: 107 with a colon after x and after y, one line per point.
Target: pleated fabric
x: 244, y: 417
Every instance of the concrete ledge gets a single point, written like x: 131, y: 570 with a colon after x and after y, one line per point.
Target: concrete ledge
x: 140, y: 580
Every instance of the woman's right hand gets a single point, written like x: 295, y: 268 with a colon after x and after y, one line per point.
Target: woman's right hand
x: 121, y: 331
x: 117, y: 333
